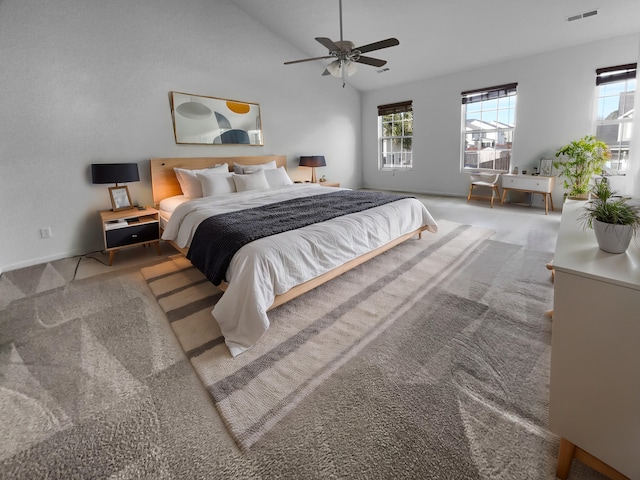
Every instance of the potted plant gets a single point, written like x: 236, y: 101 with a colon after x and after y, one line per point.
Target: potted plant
x: 586, y: 157
x: 612, y: 218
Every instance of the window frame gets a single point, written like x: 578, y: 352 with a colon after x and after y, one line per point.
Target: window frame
x: 606, y: 77
x: 483, y: 96
x: 401, y: 109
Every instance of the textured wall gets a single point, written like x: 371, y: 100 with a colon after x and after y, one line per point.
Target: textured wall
x: 86, y: 82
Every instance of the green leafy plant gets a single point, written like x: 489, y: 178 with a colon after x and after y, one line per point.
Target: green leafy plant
x: 586, y: 157
x: 608, y: 207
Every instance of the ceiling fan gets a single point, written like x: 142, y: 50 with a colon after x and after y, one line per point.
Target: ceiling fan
x: 346, y: 54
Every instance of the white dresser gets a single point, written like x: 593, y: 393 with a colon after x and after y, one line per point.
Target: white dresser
x: 530, y: 184
x: 594, y: 402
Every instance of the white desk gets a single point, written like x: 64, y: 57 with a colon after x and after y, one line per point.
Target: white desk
x: 530, y: 184
x: 594, y: 402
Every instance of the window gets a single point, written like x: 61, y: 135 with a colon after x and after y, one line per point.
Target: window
x: 395, y: 136
x: 616, y: 93
x: 488, y: 125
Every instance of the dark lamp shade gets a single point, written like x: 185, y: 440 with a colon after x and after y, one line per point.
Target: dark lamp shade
x: 114, y: 172
x: 313, y: 161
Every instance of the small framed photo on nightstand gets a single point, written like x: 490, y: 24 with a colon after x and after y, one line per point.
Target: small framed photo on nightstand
x: 120, y: 198
x: 546, y: 164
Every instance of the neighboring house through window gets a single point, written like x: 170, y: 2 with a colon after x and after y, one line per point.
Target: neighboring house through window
x: 395, y: 136
x: 488, y: 126
x: 614, y: 117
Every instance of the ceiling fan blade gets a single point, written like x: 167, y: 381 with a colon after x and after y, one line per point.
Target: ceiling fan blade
x: 328, y: 43
x: 307, y: 60
x: 389, y: 42
x: 374, y: 62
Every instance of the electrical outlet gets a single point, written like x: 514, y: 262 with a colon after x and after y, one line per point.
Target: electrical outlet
x: 46, y: 232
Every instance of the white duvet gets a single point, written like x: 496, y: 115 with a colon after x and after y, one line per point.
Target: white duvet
x: 272, y: 265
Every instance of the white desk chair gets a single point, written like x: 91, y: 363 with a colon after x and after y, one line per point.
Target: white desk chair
x: 485, y: 180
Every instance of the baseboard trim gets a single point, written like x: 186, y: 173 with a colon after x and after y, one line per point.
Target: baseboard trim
x: 40, y: 260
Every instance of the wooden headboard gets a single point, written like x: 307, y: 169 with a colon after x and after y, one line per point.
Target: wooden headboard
x: 164, y: 182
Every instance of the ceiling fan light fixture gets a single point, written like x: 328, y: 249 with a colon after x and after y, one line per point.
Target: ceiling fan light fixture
x: 335, y: 68
x: 350, y: 67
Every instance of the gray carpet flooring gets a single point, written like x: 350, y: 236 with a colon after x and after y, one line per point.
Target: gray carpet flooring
x: 93, y: 384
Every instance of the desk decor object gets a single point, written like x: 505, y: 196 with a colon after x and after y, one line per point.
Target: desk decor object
x: 201, y: 120
x: 546, y: 165
x: 116, y: 173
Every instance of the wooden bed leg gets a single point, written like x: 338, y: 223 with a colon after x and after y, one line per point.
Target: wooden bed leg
x: 565, y: 457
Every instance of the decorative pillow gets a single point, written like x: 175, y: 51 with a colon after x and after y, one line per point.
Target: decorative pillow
x: 214, y: 184
x: 189, y: 182
x: 254, y: 181
x: 245, y: 169
x: 277, y: 178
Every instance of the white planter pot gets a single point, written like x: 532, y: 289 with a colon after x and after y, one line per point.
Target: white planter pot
x: 612, y: 238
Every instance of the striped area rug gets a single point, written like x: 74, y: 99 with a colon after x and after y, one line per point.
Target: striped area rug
x: 310, y: 337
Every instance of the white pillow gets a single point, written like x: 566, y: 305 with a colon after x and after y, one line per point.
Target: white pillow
x: 255, y: 181
x: 277, y: 178
x: 214, y: 184
x: 189, y: 182
x: 171, y: 203
x: 240, y: 169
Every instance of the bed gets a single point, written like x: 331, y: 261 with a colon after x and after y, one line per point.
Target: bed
x: 271, y: 270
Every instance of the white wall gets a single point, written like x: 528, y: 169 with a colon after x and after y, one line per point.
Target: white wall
x: 86, y: 82
x: 632, y: 183
x: 556, y: 94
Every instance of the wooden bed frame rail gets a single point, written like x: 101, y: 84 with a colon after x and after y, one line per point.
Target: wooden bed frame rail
x: 331, y: 274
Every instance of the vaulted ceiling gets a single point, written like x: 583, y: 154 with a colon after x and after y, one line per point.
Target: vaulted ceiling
x: 439, y: 36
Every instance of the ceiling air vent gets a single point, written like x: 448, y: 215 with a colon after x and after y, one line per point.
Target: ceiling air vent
x: 382, y: 70
x: 580, y: 16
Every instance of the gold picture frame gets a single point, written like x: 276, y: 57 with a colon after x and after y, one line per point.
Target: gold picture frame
x: 120, y: 198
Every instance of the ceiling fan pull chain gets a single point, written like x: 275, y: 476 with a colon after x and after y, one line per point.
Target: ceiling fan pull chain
x: 343, y: 67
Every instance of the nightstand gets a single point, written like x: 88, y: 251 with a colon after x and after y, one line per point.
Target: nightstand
x: 128, y: 228
x: 329, y: 184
